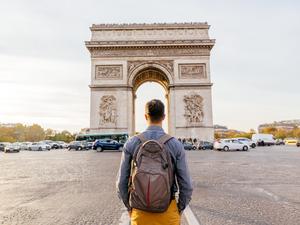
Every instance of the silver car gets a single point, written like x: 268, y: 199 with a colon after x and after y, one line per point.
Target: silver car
x: 39, y: 146
x: 12, y: 148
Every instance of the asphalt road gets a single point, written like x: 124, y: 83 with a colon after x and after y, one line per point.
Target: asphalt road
x: 260, y: 187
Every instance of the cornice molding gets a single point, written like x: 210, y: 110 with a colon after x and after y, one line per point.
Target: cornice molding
x: 190, y: 85
x: 129, y: 87
x: 150, y: 43
x: 149, y: 26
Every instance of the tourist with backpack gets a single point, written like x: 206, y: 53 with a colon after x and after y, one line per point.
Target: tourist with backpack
x: 153, y: 169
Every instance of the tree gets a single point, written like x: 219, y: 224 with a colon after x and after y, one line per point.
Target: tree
x: 63, y: 136
x: 49, y: 133
x: 296, y: 132
x: 34, y: 133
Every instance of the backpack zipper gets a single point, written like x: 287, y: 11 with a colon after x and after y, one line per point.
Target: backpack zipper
x: 148, y: 194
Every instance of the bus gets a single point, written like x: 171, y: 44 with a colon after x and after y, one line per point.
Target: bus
x: 119, y: 137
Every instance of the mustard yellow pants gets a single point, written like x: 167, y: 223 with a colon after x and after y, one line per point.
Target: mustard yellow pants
x: 169, y: 217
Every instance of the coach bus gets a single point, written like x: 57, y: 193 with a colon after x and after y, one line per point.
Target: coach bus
x: 120, y: 137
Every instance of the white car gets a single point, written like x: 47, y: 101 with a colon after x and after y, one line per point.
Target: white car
x: 248, y: 141
x: 62, y: 144
x: 230, y: 144
x: 39, y: 146
x: 15, y: 147
x: 25, y: 145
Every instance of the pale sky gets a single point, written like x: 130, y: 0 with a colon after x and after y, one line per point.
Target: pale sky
x: 45, y: 67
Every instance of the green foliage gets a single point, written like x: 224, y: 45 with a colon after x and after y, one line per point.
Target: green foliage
x: 32, y: 133
x: 234, y: 134
x: 277, y: 133
x: 63, y: 136
x: 282, y: 133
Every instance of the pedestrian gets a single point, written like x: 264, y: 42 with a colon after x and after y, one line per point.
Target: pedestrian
x: 153, y: 169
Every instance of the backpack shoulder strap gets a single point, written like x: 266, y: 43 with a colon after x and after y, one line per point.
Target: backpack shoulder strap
x: 142, y: 138
x: 163, y: 139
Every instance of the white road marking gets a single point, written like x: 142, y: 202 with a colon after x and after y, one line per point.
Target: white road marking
x: 275, y: 197
x: 190, y: 217
x: 188, y: 213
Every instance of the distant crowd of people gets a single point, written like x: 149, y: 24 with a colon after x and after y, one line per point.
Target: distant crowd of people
x: 189, y: 140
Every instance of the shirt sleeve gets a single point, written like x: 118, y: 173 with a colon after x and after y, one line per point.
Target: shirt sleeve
x: 123, y: 175
x: 183, y: 178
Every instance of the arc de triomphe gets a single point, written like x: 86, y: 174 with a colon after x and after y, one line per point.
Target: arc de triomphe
x: 176, y: 55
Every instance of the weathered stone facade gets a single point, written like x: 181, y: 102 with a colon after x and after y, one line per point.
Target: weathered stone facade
x: 175, y: 55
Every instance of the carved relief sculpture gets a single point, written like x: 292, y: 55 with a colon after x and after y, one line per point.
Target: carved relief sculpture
x: 192, y: 71
x: 108, y: 72
x: 108, y: 110
x: 111, y: 52
x: 167, y: 64
x: 193, y: 109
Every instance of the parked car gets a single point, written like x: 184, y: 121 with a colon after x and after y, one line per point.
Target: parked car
x: 298, y: 143
x: 248, y: 141
x: 263, y: 139
x: 12, y: 148
x: 62, y: 144
x: 25, y: 145
x: 78, y: 145
x: 53, y: 144
x: 203, y: 145
x: 279, y: 142
x: 90, y: 145
x: 291, y: 141
x: 109, y: 144
x: 188, y: 146
x: 2, y: 146
x: 39, y: 146
x: 230, y: 144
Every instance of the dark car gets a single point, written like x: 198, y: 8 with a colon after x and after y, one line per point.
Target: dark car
x: 279, y: 142
x: 203, y: 145
x: 298, y: 143
x: 90, y: 145
x: 55, y: 145
x: 2, y: 146
x: 188, y: 146
x: 78, y: 145
x: 107, y: 144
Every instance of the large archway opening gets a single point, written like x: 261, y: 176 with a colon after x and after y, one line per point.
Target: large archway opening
x: 148, y: 84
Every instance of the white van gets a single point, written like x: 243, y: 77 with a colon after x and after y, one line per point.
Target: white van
x: 263, y: 139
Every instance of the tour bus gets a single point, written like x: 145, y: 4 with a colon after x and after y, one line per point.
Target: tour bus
x: 120, y: 137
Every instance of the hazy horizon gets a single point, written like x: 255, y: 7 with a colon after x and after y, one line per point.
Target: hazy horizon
x: 45, y: 67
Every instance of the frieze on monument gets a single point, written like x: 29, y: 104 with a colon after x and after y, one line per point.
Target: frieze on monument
x: 149, y: 52
x: 171, y: 31
x: 193, y: 107
x: 167, y: 64
x: 108, y: 110
x: 108, y: 72
x: 192, y: 71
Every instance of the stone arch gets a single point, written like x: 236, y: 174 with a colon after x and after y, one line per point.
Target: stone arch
x: 153, y: 67
x: 150, y: 72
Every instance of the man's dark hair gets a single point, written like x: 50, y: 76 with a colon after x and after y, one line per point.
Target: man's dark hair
x: 155, y: 109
